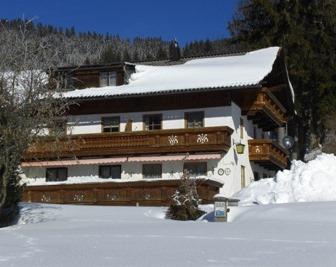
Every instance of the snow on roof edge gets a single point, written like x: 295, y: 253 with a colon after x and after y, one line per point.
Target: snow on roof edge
x: 237, y: 71
x: 173, y: 91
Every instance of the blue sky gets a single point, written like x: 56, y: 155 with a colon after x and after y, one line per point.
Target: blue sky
x: 186, y: 20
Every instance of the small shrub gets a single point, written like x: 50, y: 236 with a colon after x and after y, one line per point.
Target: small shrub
x: 184, y: 205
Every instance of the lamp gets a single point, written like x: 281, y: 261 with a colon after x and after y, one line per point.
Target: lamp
x: 239, y: 147
x: 288, y: 142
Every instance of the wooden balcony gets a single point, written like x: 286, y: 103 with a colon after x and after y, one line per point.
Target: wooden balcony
x: 210, y: 139
x: 156, y: 192
x: 268, y: 154
x: 262, y: 107
x: 266, y: 111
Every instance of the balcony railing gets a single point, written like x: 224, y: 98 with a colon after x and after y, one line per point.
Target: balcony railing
x: 209, y: 139
x: 267, y: 111
x: 268, y: 154
x: 156, y: 192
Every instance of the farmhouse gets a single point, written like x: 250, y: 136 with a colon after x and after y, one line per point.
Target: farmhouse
x: 133, y: 129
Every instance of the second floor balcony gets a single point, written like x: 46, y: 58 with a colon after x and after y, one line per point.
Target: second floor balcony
x: 207, y: 139
x: 268, y: 154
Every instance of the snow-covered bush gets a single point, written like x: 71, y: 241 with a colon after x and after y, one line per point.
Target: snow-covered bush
x: 184, y: 205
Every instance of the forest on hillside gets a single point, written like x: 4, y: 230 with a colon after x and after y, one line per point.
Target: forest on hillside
x: 77, y: 48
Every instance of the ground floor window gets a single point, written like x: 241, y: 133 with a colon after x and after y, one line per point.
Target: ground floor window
x: 56, y: 174
x: 152, y: 170
x: 110, y: 171
x: 196, y: 168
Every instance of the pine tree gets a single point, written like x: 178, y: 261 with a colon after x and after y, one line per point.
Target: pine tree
x: 306, y: 31
x: 174, y: 51
x: 161, y: 54
x: 185, y: 201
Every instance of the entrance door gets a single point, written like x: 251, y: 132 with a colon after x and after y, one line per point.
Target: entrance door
x: 242, y: 176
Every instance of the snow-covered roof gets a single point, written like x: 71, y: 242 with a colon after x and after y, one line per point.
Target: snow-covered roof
x: 234, y: 71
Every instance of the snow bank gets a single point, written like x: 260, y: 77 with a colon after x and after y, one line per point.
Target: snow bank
x: 304, y: 182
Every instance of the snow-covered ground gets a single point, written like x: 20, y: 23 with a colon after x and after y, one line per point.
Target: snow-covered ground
x: 304, y: 182
x: 297, y: 234
x: 291, y: 234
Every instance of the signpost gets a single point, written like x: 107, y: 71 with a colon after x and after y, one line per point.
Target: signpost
x: 221, y: 207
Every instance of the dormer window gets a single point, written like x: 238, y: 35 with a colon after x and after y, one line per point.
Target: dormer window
x: 108, y: 79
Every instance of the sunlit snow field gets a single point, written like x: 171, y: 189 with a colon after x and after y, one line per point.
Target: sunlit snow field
x: 297, y: 234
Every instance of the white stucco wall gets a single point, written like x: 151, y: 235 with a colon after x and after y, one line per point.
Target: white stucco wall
x: 231, y: 162
x: 171, y: 119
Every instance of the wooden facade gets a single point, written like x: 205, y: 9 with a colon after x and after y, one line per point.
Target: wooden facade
x: 262, y: 107
x: 151, y: 193
x: 88, y: 76
x: 268, y: 154
x: 267, y: 106
x: 158, y: 102
x: 208, y: 139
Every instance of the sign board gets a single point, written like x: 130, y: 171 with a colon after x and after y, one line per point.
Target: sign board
x: 220, y: 209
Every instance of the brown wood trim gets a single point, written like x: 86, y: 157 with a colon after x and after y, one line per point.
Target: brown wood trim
x: 261, y: 106
x: 149, y: 103
x: 268, y: 154
x: 155, y: 192
x: 207, y: 139
x: 274, y: 99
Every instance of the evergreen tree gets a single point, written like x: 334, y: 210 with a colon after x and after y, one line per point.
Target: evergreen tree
x: 207, y: 47
x: 306, y: 31
x: 161, y: 54
x: 185, y: 201
x: 174, y: 51
x: 126, y: 55
x: 109, y: 55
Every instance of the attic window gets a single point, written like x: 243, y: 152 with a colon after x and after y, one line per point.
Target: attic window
x: 108, y: 79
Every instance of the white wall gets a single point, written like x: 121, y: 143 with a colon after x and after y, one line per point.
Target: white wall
x: 171, y: 119
x: 174, y: 119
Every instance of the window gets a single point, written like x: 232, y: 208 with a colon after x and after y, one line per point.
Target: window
x: 110, y: 171
x: 67, y: 81
x: 241, y: 128
x: 108, y: 79
x: 194, y: 119
x: 242, y: 176
x: 56, y: 174
x: 110, y: 124
x: 152, y: 122
x: 196, y: 168
x: 152, y: 171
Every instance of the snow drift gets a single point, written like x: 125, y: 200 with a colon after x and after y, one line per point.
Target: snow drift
x: 304, y: 182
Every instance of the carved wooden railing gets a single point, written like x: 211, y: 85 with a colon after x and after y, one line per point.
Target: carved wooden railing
x: 156, y: 192
x: 267, y: 153
x: 266, y: 103
x: 142, y: 142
